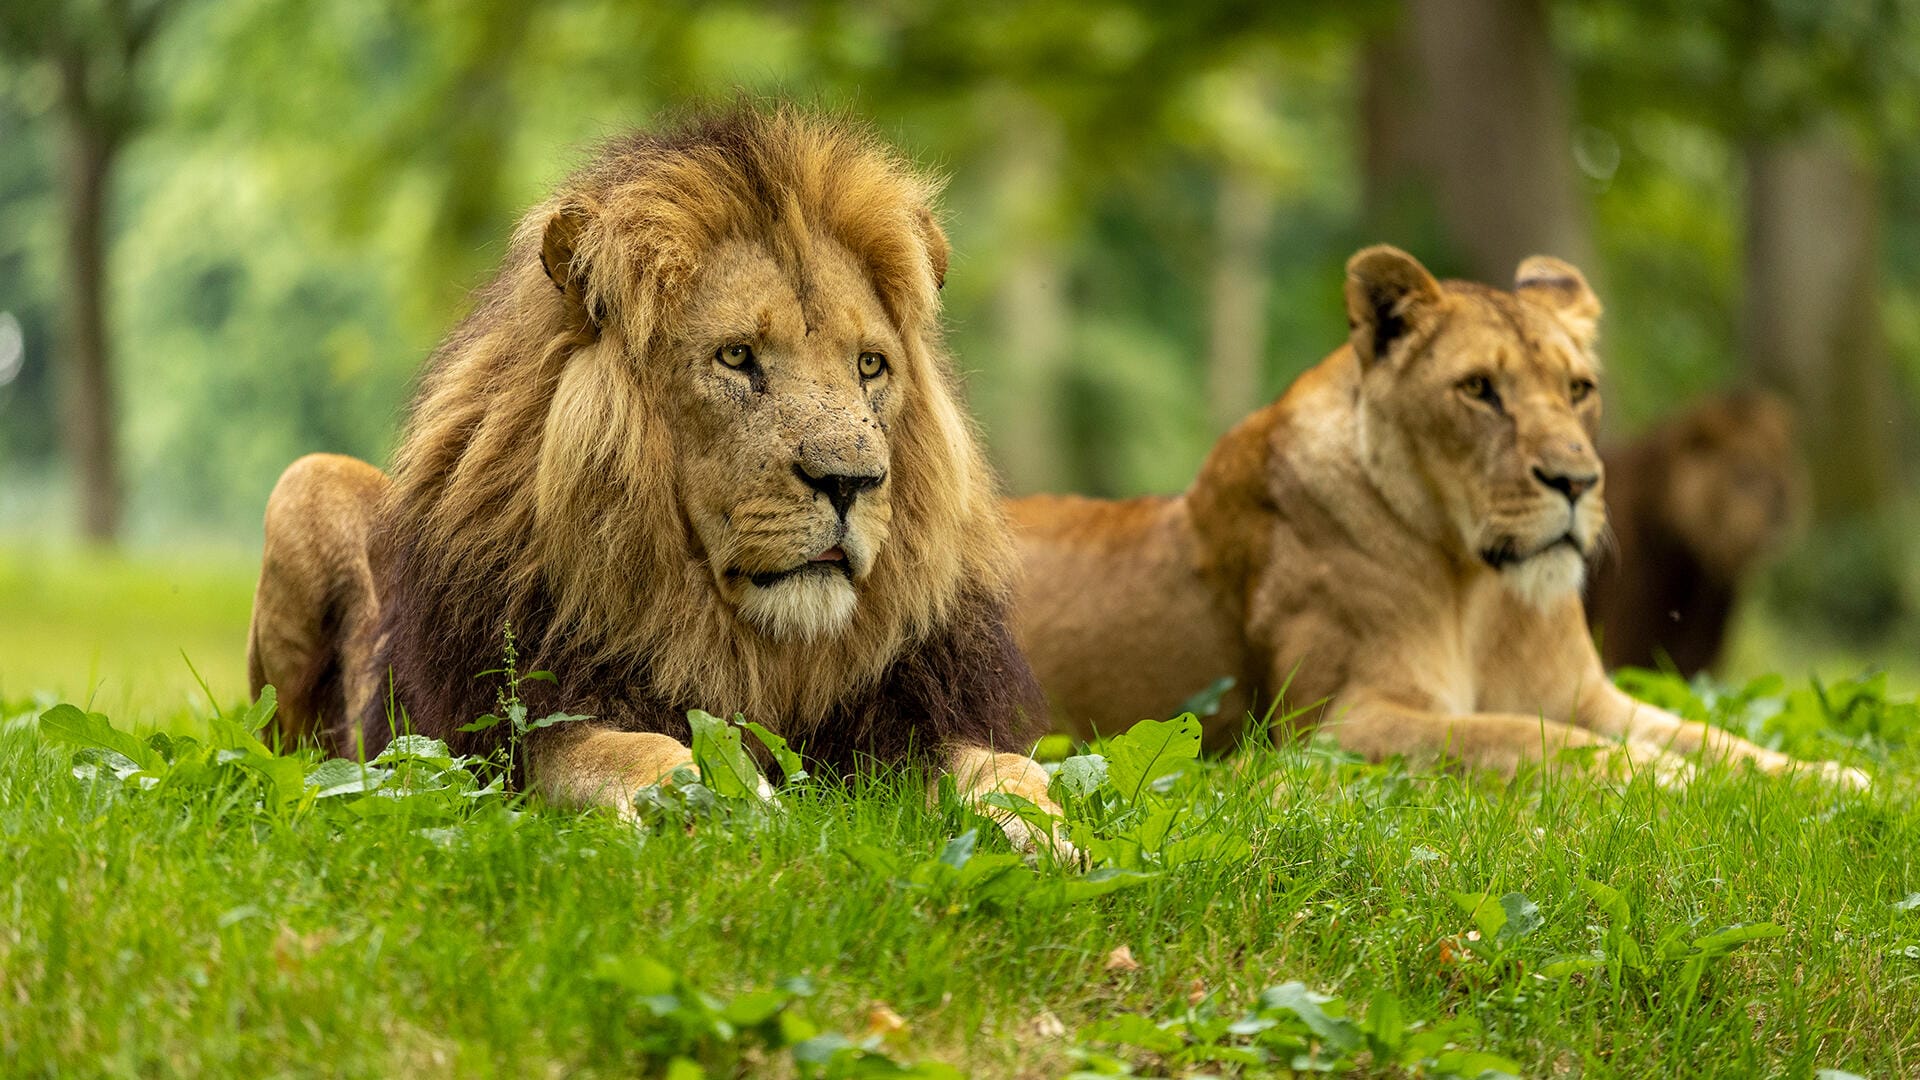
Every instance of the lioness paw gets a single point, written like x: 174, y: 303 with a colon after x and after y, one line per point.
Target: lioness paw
x: 1841, y: 776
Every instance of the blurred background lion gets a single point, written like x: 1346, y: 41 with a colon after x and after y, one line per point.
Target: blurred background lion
x: 1696, y: 505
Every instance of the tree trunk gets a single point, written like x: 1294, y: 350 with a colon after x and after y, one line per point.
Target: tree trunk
x: 1237, y: 316
x: 1499, y: 138
x: 1031, y: 303
x: 1812, y: 315
x: 89, y: 417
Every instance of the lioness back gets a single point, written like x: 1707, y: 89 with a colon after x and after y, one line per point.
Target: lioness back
x: 1112, y: 611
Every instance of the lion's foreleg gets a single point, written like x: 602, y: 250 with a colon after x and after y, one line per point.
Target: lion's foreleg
x: 1612, y: 710
x: 582, y: 765
x: 1496, y: 742
x: 979, y: 772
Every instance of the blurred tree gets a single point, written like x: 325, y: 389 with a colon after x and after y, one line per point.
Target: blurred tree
x: 95, y: 47
x: 1809, y: 95
x: 1469, y: 97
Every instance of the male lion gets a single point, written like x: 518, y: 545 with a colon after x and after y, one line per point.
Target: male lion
x: 699, y: 444
x: 1399, y: 539
x: 1695, y: 505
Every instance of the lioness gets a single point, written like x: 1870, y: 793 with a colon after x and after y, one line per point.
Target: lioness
x: 698, y: 443
x: 1399, y: 541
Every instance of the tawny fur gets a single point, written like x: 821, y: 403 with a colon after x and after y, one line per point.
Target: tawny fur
x: 584, y: 462
x: 1397, y: 541
x: 1696, y: 505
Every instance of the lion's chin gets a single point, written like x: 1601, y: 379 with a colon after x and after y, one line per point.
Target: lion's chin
x: 800, y: 607
x: 1547, y: 577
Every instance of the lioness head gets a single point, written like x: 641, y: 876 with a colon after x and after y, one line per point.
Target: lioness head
x: 704, y: 422
x: 1478, y: 411
x: 1733, y: 482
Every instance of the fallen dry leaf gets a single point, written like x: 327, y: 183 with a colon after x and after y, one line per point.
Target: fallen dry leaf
x: 1197, y: 992
x: 1048, y: 1026
x: 883, y: 1021
x: 1121, y: 959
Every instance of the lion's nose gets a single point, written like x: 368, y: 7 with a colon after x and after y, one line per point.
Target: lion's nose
x: 1569, y: 484
x: 839, y: 488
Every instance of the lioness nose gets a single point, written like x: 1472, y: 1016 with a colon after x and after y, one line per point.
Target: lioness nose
x: 1567, y: 483
x: 839, y: 488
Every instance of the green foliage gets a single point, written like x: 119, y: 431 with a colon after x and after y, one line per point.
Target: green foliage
x: 1816, y: 721
x: 1379, y: 921
x: 685, y: 1032
x: 1291, y: 1028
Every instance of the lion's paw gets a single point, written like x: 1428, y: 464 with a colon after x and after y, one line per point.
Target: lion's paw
x: 1030, y: 841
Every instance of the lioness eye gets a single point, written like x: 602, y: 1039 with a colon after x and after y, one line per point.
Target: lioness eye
x: 1580, y: 389
x: 1478, y: 387
x: 871, y: 365
x: 736, y: 356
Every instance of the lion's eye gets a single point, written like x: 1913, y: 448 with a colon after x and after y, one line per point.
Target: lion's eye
x: 1480, y: 388
x: 872, y: 364
x: 737, y: 356
x: 1581, y: 390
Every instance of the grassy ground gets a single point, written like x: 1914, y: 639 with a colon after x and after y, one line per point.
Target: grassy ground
x: 224, y: 919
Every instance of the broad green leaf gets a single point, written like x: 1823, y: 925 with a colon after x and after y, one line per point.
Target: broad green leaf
x: 755, y: 1007
x: 1386, y: 1024
x: 286, y: 777
x: 1559, y: 967
x: 555, y: 718
x: 1522, y: 916
x: 682, y: 1068
x: 1732, y: 937
x: 260, y: 713
x: 641, y: 974
x: 1294, y: 997
x: 415, y: 748
x: 724, y: 764
x: 1609, y: 901
x: 1100, y: 882
x: 64, y: 723
x: 1081, y: 775
x: 792, y: 770
x: 1132, y: 1029
x: 1149, y: 750
x: 1912, y: 901
x: 959, y: 849
x: 1488, y: 915
x: 485, y: 723
x: 339, y: 776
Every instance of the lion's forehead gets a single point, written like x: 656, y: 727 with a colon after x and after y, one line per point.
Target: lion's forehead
x: 753, y: 288
x: 1511, y: 339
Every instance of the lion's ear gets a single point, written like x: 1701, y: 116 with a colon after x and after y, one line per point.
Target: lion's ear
x: 1555, y: 285
x: 937, y: 247
x: 1389, y: 294
x: 561, y: 258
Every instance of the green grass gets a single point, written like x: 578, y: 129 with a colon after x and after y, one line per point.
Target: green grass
x: 203, y: 928
x: 113, y: 630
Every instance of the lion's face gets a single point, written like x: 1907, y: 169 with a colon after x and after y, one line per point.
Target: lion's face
x: 1480, y: 409
x: 1733, y: 483
x: 787, y: 386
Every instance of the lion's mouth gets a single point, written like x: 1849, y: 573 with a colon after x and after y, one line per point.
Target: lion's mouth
x: 831, y: 561
x: 1506, y: 553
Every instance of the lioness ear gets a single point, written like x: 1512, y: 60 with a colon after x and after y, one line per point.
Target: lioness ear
x: 1389, y: 294
x: 561, y: 258
x: 937, y: 247
x: 1555, y: 285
